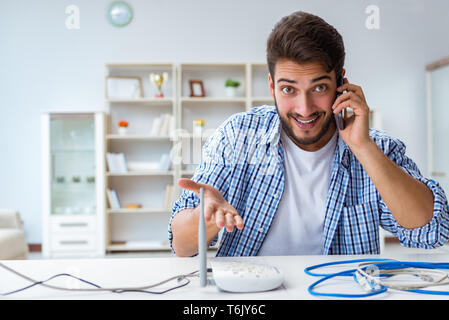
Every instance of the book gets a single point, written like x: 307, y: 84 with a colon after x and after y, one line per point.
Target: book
x: 155, y: 127
x: 115, y: 199
x: 116, y: 162
x: 109, y: 197
x: 165, y: 162
x: 165, y: 124
x: 168, y: 196
x: 114, y: 203
x: 122, y: 162
x: 162, y: 125
x: 142, y: 165
x: 110, y: 162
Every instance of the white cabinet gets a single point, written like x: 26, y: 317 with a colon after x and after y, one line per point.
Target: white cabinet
x: 437, y: 84
x: 73, y: 183
x: 437, y: 78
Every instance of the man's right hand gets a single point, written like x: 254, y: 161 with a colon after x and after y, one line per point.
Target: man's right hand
x: 215, y: 206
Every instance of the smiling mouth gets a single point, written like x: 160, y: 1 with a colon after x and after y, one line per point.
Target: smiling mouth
x: 306, y: 122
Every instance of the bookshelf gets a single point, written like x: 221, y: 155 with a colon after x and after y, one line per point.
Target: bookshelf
x: 142, y: 183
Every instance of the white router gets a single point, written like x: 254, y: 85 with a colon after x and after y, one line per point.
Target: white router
x: 234, y: 276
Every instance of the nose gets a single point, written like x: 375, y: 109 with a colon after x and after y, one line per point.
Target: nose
x: 304, y: 106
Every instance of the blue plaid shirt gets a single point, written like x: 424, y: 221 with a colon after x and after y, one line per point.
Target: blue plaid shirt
x: 244, y: 161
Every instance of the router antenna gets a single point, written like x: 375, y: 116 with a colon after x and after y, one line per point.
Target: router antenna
x: 202, y: 242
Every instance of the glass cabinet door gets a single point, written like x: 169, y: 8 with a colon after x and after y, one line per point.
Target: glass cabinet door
x: 72, y: 156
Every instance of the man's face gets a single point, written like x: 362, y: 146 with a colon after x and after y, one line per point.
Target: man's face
x: 304, y: 94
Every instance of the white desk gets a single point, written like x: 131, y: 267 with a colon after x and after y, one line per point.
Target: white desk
x: 140, y: 272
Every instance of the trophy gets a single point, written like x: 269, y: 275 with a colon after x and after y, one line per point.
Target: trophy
x: 158, y: 80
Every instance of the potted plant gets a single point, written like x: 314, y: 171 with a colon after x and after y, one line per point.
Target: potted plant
x: 122, y: 127
x: 231, y: 87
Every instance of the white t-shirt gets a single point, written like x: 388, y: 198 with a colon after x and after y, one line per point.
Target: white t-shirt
x: 297, y: 227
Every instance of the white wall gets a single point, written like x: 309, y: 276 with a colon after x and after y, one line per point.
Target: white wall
x: 43, y: 65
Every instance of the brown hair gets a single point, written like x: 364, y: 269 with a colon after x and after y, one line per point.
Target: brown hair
x: 303, y: 37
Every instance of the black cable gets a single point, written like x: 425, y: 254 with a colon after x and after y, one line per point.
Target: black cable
x: 154, y: 292
x: 51, y: 278
x: 97, y: 287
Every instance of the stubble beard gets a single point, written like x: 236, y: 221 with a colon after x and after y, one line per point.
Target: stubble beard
x: 303, y: 141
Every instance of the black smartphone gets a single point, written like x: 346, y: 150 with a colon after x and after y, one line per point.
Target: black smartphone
x: 339, y: 116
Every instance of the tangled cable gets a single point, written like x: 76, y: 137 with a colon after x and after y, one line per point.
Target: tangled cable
x: 376, y: 276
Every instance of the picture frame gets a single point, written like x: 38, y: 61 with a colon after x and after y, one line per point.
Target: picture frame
x: 196, y: 88
x: 123, y: 87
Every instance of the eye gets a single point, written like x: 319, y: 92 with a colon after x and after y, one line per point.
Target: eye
x: 320, y: 88
x: 287, y: 90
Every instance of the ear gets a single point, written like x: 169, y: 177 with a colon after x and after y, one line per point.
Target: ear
x: 343, y: 72
x: 271, y: 85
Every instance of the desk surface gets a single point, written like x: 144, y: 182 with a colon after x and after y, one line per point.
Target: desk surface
x: 130, y: 272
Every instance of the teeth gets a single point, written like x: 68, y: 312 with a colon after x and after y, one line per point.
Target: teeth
x: 308, y: 121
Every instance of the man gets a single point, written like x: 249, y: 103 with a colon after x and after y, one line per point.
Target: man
x: 284, y: 180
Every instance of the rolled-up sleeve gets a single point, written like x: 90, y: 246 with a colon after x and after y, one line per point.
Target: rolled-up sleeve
x: 436, y: 232
x: 213, y: 170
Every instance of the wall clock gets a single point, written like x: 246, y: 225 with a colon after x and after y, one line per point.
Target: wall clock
x: 119, y: 13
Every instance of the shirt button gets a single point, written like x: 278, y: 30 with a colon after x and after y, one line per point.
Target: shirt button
x: 260, y: 230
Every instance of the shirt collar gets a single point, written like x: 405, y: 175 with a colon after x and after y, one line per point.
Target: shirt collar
x: 273, y: 132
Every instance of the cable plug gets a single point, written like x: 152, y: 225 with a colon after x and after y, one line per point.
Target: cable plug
x: 368, y: 286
